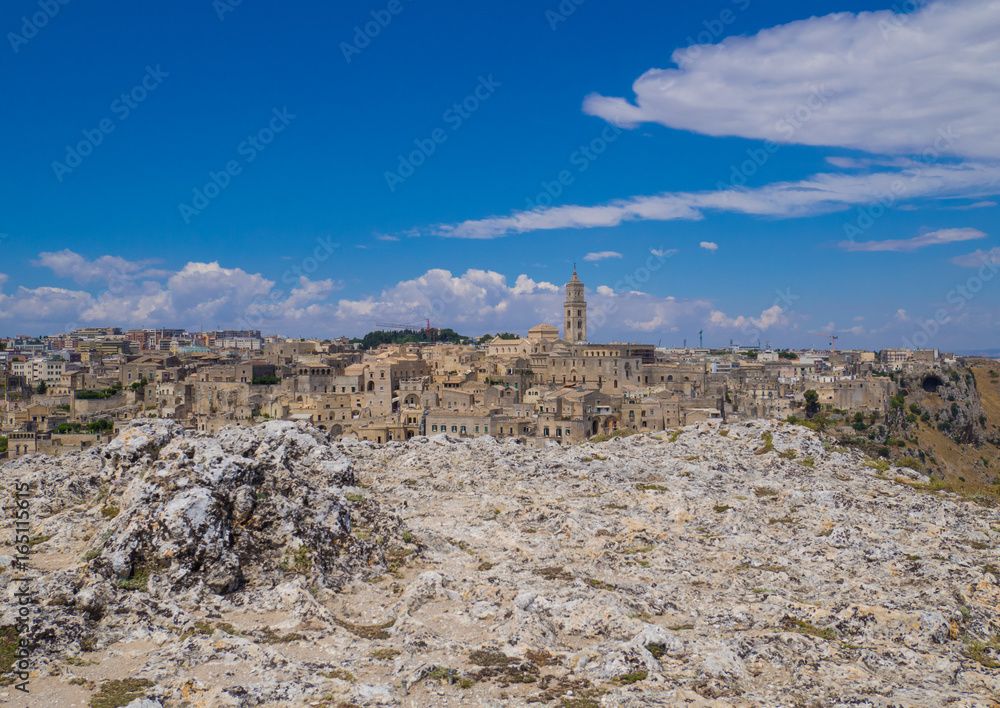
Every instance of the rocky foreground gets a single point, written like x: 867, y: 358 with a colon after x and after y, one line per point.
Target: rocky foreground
x: 743, y: 565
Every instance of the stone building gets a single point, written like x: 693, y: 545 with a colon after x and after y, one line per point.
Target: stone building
x: 575, y: 311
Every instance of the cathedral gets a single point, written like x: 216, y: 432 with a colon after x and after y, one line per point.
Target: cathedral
x: 575, y: 311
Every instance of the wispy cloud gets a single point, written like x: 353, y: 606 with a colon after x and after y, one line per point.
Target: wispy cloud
x: 884, y: 75
x: 69, y: 264
x: 978, y: 258
x: 601, y: 255
x: 977, y: 205
x: 663, y: 253
x: 709, y: 246
x: 934, y: 238
x: 821, y: 193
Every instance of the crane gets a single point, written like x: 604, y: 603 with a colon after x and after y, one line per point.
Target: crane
x: 833, y: 341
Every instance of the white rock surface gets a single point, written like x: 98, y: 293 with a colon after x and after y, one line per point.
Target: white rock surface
x: 638, y: 572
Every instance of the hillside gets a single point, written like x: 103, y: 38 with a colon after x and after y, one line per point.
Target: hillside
x: 747, y: 565
x: 944, y: 422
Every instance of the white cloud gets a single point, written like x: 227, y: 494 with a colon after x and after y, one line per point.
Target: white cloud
x: 709, y: 246
x: 977, y: 205
x: 934, y: 238
x: 875, y: 81
x: 773, y: 317
x: 386, y: 237
x: 663, y: 253
x: 978, y: 258
x: 601, y: 255
x: 525, y: 286
x: 818, y: 194
x: 901, y: 315
x: 113, y: 270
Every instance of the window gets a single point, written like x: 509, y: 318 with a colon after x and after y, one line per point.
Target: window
x: 545, y: 432
x: 454, y: 429
x: 462, y: 430
x: 434, y: 428
x: 486, y: 428
x: 477, y: 428
x: 558, y: 432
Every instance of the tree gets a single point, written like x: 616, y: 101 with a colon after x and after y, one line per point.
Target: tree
x: 3, y: 346
x: 812, y: 402
x: 42, y: 388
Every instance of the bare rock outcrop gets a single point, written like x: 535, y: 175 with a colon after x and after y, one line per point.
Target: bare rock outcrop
x: 736, y: 565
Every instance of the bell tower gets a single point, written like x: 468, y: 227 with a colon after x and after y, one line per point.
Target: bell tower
x: 575, y: 311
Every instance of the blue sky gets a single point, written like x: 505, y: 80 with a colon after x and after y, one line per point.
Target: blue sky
x: 740, y: 167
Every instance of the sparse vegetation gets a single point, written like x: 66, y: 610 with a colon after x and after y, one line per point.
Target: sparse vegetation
x: 120, y: 692
x: 620, y: 433
x: 793, y: 624
x: 626, y: 679
x: 341, y: 674
x: 385, y: 654
x: 138, y: 581
x: 768, y: 445
x: 374, y: 631
x: 985, y: 653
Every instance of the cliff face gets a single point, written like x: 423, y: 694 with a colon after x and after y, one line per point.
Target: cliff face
x: 944, y: 422
x: 747, y: 565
